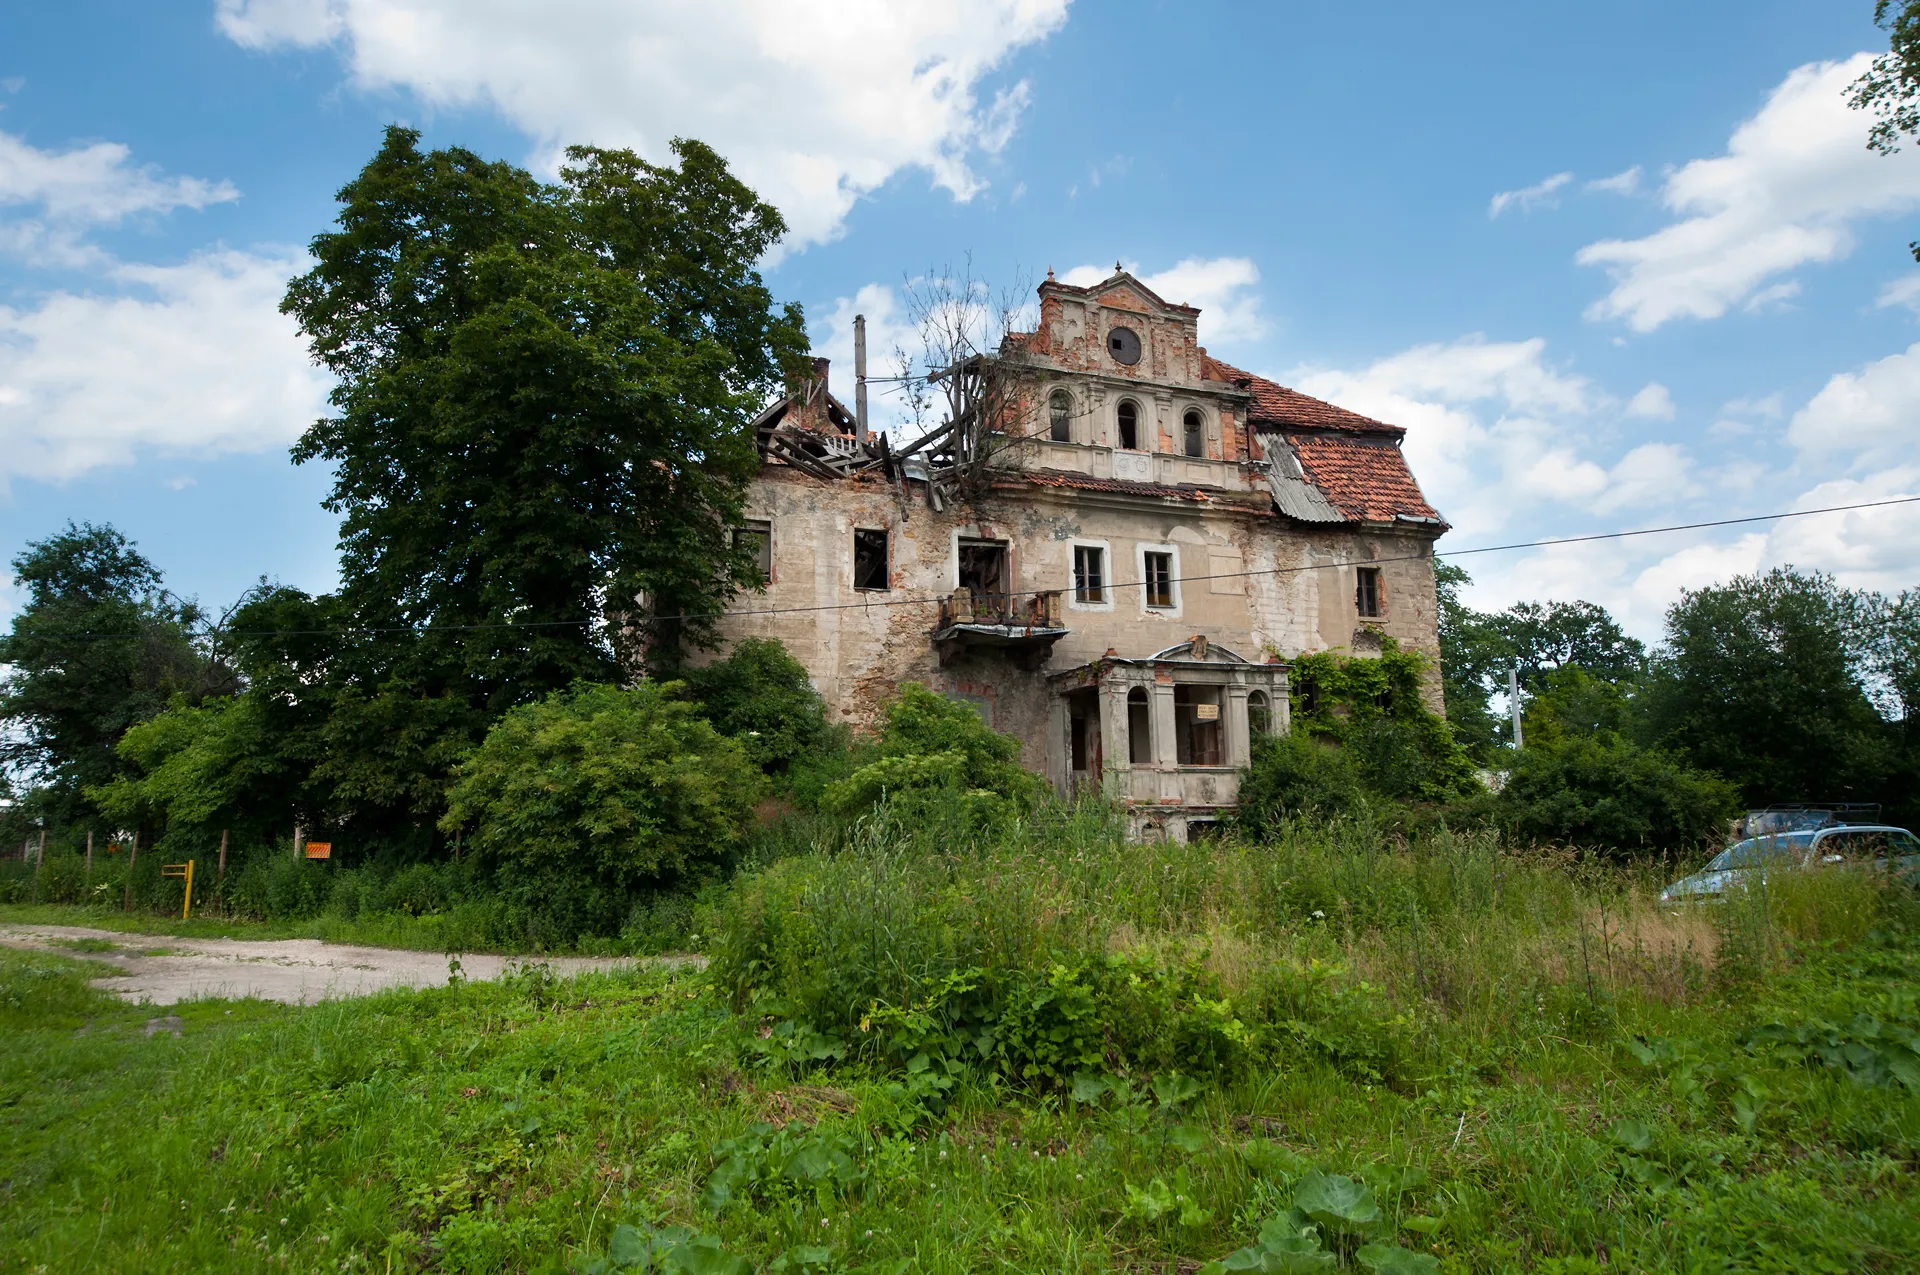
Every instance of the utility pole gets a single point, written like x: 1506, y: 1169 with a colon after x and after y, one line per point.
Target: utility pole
x: 1513, y: 704
x: 860, y: 379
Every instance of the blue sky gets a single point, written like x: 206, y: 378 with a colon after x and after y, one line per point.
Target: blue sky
x: 1612, y: 265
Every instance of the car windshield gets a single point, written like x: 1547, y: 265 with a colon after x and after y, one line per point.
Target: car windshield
x: 1867, y: 843
x: 1755, y: 851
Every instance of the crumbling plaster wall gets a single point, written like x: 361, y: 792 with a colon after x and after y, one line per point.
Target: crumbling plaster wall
x: 860, y: 645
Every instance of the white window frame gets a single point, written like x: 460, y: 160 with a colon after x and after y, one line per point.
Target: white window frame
x: 1140, y: 577
x: 1073, y: 592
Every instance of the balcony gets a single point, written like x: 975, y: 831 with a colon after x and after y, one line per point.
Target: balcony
x: 1025, y: 629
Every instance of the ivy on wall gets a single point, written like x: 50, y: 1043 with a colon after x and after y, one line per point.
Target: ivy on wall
x: 1371, y: 707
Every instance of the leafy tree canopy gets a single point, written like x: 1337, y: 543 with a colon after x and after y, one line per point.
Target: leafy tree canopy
x: 1606, y: 792
x: 539, y: 427
x: 1538, y: 639
x: 1374, y: 708
x: 99, y: 647
x: 1763, y: 679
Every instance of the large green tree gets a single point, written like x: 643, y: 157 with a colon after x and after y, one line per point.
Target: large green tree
x: 1542, y: 640
x: 539, y: 442
x: 1764, y: 679
x: 539, y: 439
x: 99, y: 646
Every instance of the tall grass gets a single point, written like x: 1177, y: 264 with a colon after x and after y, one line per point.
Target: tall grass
x: 1450, y: 935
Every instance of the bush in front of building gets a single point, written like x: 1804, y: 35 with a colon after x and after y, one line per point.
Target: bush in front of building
x: 936, y: 756
x: 589, y: 798
x: 761, y: 696
x: 1294, y: 776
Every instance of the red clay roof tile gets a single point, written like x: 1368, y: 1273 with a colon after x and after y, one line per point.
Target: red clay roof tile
x: 1367, y: 477
x: 1275, y: 404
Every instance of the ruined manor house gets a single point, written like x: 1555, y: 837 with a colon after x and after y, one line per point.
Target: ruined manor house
x: 1111, y: 549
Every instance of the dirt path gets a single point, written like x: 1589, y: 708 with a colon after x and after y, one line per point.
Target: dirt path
x: 160, y: 970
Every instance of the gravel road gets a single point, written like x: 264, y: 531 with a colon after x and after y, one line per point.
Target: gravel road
x: 157, y: 969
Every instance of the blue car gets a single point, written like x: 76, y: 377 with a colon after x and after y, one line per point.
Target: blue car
x: 1865, y: 845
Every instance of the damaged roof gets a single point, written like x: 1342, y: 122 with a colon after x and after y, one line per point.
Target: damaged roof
x: 1276, y: 405
x: 1367, y: 478
x: 1347, y: 464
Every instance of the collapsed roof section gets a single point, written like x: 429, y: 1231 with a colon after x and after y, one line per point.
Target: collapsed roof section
x: 1322, y: 464
x: 1328, y: 464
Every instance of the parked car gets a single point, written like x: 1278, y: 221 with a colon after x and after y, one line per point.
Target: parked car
x: 1875, y: 845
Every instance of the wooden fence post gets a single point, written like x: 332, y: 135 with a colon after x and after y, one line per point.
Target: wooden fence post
x: 126, y: 896
x: 89, y: 856
x: 223, y: 854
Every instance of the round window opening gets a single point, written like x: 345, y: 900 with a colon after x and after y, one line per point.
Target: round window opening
x: 1124, y: 345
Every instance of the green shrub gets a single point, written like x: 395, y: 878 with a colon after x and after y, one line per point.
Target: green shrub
x: 595, y: 793
x: 1374, y: 707
x: 1605, y: 792
x: 1295, y: 775
x: 762, y: 697
x: 936, y: 755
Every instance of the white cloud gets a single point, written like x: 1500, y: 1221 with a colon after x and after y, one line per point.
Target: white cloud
x: 1526, y: 200
x: 193, y: 360
x: 1653, y: 402
x: 814, y: 102
x: 1223, y: 288
x: 1771, y: 407
x: 1649, y: 475
x: 69, y: 192
x: 1874, y: 411
x: 888, y: 329
x: 1492, y: 428
x: 1793, y: 180
x: 1865, y: 548
x: 1902, y: 291
x: 1627, y: 183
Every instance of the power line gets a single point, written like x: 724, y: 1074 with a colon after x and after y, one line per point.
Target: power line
x: 933, y: 599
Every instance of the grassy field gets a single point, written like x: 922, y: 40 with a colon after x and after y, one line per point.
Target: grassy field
x: 1053, y: 1052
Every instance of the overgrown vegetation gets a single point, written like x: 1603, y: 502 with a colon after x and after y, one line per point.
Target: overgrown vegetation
x: 1050, y: 1051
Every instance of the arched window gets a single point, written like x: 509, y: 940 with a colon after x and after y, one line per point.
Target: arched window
x: 1060, y: 417
x: 1129, y: 426
x: 1259, y: 714
x: 1139, y: 727
x: 1196, y: 433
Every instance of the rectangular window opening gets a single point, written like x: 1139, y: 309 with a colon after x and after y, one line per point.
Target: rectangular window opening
x: 757, y: 539
x: 1089, y: 574
x: 1196, y: 726
x: 1366, y: 592
x: 1159, y: 581
x: 870, y: 565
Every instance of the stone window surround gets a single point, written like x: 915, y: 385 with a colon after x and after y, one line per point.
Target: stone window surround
x: 1096, y: 400
x: 1073, y: 594
x: 1158, y: 678
x: 1139, y: 582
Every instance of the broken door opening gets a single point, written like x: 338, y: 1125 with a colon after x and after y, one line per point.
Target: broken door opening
x: 1083, y: 726
x: 984, y: 575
